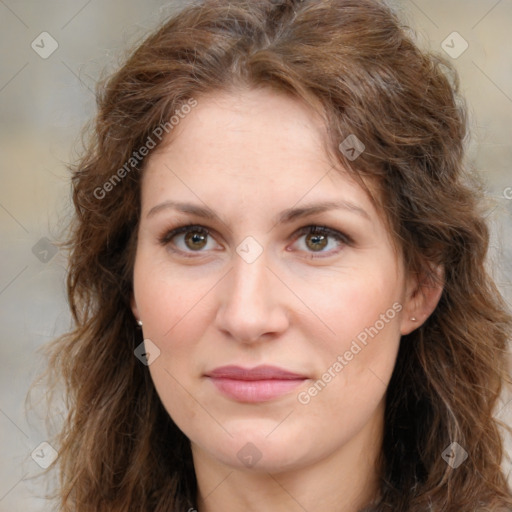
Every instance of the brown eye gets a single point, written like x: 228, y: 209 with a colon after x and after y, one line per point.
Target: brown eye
x: 195, y: 240
x: 187, y: 240
x: 317, y: 238
x: 316, y: 242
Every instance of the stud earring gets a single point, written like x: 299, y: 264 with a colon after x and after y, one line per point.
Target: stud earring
x: 413, y: 319
x: 139, y: 322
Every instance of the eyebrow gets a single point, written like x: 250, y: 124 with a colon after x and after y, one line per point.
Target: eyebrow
x: 286, y: 216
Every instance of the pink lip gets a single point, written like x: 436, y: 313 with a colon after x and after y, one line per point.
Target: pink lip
x: 258, y: 384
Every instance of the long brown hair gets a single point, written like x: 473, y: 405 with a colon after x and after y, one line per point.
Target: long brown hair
x: 118, y: 448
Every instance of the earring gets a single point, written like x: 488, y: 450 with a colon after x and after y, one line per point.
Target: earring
x: 139, y: 322
x: 413, y: 319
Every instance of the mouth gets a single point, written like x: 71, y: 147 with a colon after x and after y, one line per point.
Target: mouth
x: 259, y: 384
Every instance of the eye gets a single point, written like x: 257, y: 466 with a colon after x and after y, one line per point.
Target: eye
x: 187, y: 239
x: 194, y: 238
x: 317, y: 239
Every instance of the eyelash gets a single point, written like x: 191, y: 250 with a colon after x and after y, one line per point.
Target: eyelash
x: 167, y: 236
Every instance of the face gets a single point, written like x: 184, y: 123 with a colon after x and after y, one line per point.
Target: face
x: 237, y: 267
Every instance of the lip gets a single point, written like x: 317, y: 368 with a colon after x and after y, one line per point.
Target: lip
x: 259, y: 384
x: 262, y: 372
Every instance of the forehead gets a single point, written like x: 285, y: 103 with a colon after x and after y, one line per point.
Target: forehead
x: 260, y: 123
x: 251, y: 137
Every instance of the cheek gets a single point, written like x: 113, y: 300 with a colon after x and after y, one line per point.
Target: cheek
x: 179, y: 399
x: 364, y: 335
x: 172, y: 307
x: 359, y: 300
x: 166, y: 298
x: 171, y: 313
x: 356, y: 363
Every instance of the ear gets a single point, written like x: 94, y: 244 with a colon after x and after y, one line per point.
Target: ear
x: 423, y: 292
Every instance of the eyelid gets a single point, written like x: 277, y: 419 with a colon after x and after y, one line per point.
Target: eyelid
x: 325, y: 230
x: 340, y: 236
x: 312, y: 229
x: 169, y: 234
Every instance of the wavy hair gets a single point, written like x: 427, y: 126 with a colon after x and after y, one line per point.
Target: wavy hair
x: 358, y: 64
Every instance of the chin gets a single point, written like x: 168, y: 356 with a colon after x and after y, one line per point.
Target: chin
x: 262, y: 450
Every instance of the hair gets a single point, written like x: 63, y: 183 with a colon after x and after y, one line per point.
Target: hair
x: 358, y: 64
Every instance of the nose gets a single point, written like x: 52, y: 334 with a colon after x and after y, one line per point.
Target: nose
x: 252, y: 305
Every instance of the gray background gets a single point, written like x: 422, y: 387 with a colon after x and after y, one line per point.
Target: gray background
x: 45, y: 102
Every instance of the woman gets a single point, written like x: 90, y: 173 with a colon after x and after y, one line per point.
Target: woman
x: 277, y: 276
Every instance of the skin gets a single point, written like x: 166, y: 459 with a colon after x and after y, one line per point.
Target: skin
x: 248, y: 155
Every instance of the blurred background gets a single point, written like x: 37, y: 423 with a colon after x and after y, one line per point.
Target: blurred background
x: 51, y: 55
